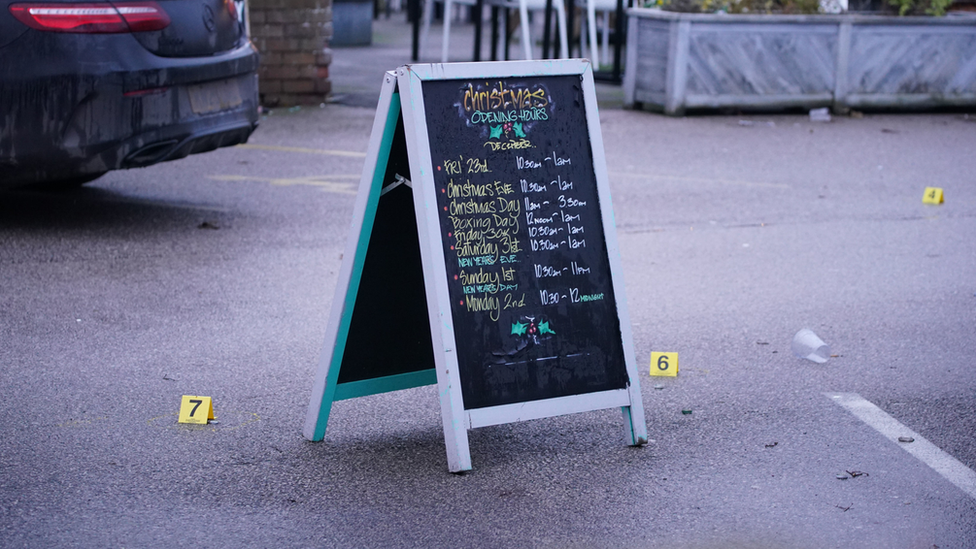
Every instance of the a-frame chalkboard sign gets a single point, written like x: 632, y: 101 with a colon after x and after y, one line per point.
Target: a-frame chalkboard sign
x: 483, y: 232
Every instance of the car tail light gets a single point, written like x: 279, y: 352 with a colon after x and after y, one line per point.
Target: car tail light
x: 145, y: 92
x: 143, y: 16
x: 91, y: 17
x: 231, y: 8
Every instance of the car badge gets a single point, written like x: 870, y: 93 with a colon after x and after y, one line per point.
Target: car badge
x: 208, y: 18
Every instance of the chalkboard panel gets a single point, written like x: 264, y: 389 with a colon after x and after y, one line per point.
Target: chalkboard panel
x: 385, y: 336
x: 521, y: 226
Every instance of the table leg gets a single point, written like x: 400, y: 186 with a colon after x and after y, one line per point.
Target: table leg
x: 478, y: 7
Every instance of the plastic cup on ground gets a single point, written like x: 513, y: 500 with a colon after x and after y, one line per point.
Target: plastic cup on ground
x: 807, y: 345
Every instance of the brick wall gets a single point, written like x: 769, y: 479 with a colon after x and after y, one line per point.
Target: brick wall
x: 293, y: 38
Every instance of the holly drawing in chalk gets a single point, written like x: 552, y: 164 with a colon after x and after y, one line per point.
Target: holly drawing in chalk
x: 496, y: 132
x: 528, y: 327
x: 529, y: 331
x: 519, y: 328
x: 545, y: 329
x: 517, y: 127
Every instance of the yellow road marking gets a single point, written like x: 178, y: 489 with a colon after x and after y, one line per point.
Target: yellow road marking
x: 325, y: 182
x: 699, y: 180
x: 248, y: 419
x: 327, y: 152
x: 254, y: 418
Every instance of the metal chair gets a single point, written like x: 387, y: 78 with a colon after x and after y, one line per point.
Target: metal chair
x: 524, y: 6
x: 448, y: 16
x: 536, y: 5
x: 605, y: 7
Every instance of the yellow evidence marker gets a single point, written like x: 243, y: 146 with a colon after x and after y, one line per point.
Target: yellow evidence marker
x: 664, y: 364
x: 196, y: 409
x: 933, y: 195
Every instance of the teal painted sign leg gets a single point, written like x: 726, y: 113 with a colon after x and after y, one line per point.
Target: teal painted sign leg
x: 324, y: 388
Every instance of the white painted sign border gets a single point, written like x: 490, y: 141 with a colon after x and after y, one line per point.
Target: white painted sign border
x: 456, y: 420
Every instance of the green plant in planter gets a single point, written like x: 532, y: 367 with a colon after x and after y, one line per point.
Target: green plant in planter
x: 919, y: 7
x: 904, y: 7
x: 741, y: 6
x: 775, y: 6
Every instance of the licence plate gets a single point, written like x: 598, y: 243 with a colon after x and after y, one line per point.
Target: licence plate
x: 214, y: 96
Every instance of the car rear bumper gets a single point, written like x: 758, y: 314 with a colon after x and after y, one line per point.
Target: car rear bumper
x: 99, y: 116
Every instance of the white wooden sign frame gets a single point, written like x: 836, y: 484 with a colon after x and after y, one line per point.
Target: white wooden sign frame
x: 455, y: 418
x: 402, y: 96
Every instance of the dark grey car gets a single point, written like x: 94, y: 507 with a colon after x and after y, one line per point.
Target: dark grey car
x: 88, y: 87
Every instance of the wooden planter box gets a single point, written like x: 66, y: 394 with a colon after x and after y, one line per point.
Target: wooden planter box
x: 679, y: 61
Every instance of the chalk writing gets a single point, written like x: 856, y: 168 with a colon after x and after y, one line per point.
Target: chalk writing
x: 577, y: 269
x: 452, y: 167
x: 543, y: 271
x: 493, y: 221
x: 576, y: 297
x: 508, y: 145
x: 502, y: 96
x: 546, y: 245
x: 469, y: 207
x: 466, y: 189
x: 513, y: 302
x: 545, y: 231
x: 486, y: 229
x: 532, y: 219
x: 557, y: 161
x: 524, y: 164
x: 548, y: 298
x: 479, y: 277
x: 484, y: 303
x: 522, y: 234
x: 480, y: 249
x: 532, y: 187
x: 477, y: 261
x: 570, y: 202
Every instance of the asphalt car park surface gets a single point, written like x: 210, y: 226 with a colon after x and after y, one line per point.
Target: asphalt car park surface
x: 214, y: 276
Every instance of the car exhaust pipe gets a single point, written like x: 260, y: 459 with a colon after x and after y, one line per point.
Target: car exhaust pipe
x: 150, y: 154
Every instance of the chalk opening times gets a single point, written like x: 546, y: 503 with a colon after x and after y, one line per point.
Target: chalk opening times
x: 499, y: 232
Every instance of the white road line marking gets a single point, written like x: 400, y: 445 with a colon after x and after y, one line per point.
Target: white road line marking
x: 949, y: 467
x: 323, y: 181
